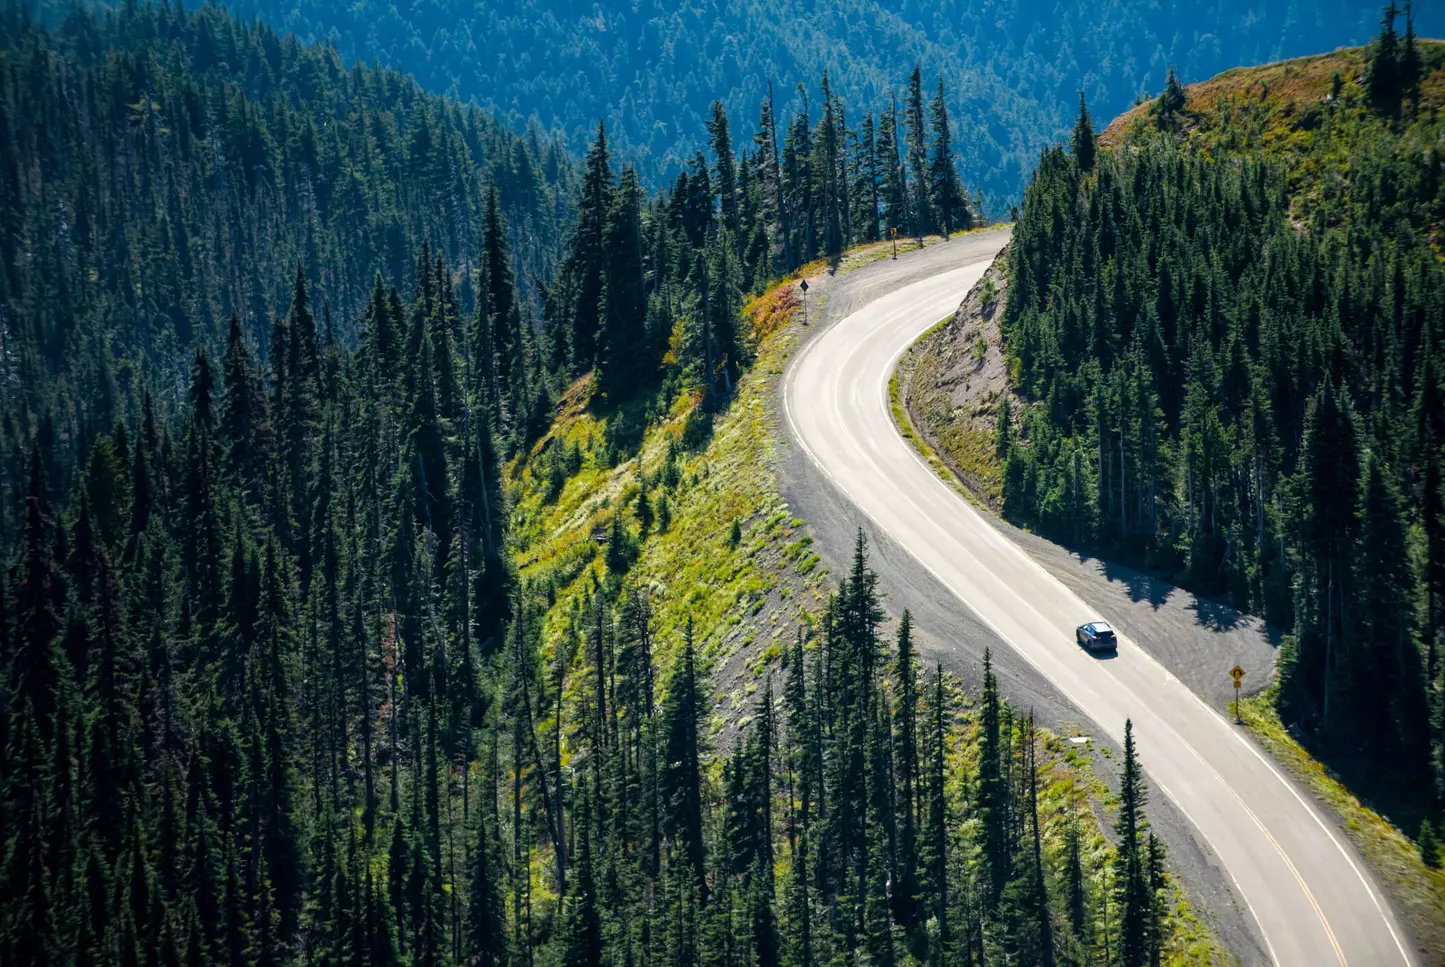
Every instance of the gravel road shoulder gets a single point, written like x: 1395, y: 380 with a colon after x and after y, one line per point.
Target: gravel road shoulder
x: 950, y: 634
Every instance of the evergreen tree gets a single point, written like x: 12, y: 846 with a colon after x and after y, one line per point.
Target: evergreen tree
x: 935, y: 853
x: 37, y: 668
x: 683, y: 746
x: 1384, y: 80
x: 1083, y: 143
x: 906, y: 771
x: 919, y: 202
x: 1411, y: 66
x: 725, y: 180
x: 270, y: 734
x: 894, y: 174
x: 1329, y: 481
x: 1383, y: 651
x: 1134, y: 893
x: 587, y: 257
x: 622, y: 352
x: 582, y: 941
x: 486, y: 915
x: 1170, y: 103
x: 993, y: 791
x: 946, y: 196
x: 500, y: 359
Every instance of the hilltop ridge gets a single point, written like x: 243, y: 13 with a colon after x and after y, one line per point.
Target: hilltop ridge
x: 1287, y: 91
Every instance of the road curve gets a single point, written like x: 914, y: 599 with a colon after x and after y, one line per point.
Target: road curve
x: 1314, y: 902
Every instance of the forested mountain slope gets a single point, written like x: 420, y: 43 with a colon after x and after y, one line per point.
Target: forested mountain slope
x: 322, y: 642
x: 162, y: 170
x: 1217, y: 354
x: 1012, y: 67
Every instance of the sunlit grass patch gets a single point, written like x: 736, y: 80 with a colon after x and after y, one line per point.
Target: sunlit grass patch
x: 1418, y: 891
x: 721, y: 559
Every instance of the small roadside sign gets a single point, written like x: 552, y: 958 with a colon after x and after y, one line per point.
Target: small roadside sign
x: 1237, y: 674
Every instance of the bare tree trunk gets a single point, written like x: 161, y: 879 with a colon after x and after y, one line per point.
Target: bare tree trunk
x: 1329, y: 639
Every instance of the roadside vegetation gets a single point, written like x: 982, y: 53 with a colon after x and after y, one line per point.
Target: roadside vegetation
x: 1410, y: 871
x: 1250, y: 271
x: 729, y: 578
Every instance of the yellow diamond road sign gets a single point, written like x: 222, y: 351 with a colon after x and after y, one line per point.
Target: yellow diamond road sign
x: 1237, y: 673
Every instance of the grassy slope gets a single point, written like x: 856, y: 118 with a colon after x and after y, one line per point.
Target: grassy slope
x: 948, y: 388
x: 1287, y: 112
x: 743, y: 599
x: 746, y: 600
x: 1269, y: 108
x: 1274, y: 111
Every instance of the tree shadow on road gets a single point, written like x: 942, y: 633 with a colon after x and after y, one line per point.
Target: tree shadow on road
x: 1144, y: 587
x: 1140, y: 586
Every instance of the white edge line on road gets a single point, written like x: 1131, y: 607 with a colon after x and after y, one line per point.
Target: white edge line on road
x: 1330, y: 833
x: 1364, y: 880
x: 1006, y: 639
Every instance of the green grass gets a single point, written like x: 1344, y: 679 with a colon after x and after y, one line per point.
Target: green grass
x: 747, y: 600
x: 743, y: 596
x: 904, y: 422
x: 1418, y: 891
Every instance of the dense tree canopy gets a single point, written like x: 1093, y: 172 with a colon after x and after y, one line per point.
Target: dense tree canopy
x: 1231, y: 364
x: 163, y: 171
x: 653, y: 69
x: 271, y: 690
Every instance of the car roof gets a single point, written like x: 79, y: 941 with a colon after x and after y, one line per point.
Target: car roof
x: 1098, y: 626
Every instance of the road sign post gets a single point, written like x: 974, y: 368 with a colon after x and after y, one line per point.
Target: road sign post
x: 803, y: 286
x: 1237, y: 674
x: 893, y: 234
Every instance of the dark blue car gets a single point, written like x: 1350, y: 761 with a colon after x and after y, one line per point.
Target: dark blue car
x: 1096, y: 636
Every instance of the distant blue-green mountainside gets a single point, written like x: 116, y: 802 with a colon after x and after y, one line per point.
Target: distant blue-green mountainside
x: 651, y: 68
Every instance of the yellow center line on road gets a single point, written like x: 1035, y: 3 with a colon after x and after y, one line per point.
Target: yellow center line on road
x: 1214, y: 773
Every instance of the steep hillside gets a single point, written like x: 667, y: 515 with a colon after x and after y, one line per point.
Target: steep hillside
x: 161, y: 170
x: 652, y: 70
x: 1216, y: 358
x: 953, y: 384
x: 682, y: 550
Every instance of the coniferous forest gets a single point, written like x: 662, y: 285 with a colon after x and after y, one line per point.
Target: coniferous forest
x: 277, y: 336
x: 652, y: 69
x: 1226, y: 333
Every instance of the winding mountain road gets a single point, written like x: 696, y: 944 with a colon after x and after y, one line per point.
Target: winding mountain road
x: 1314, y: 902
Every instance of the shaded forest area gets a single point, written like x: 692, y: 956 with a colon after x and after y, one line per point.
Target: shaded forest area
x: 652, y: 70
x: 1227, y: 332
x: 164, y: 170
x: 273, y: 691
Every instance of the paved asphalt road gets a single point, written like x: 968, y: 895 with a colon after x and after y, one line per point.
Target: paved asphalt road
x: 1314, y: 903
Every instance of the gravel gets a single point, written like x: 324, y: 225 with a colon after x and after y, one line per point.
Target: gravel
x: 1196, y: 640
